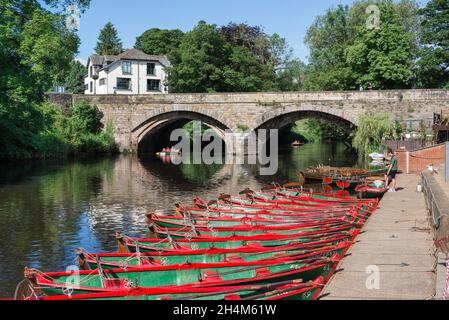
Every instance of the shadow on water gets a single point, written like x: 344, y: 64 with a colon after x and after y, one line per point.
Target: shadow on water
x: 48, y: 209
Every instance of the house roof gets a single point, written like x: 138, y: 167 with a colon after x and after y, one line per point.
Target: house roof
x: 131, y: 54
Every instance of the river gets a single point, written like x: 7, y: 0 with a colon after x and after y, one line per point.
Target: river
x: 49, y: 209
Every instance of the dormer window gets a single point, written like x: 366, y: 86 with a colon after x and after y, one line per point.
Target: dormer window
x: 127, y: 67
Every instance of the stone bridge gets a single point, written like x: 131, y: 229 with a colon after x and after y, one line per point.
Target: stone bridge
x: 140, y: 122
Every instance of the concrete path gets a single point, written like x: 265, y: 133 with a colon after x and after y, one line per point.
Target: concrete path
x: 396, y: 241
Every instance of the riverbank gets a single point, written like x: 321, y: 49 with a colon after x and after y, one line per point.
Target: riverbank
x: 394, y: 258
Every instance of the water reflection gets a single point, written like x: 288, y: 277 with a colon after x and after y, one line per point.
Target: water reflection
x: 50, y: 209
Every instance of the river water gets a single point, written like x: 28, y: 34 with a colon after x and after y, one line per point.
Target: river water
x: 49, y: 209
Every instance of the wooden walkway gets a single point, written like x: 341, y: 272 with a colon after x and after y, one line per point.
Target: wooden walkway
x: 397, y: 242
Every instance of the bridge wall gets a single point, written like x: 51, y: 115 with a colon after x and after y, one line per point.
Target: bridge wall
x: 249, y: 111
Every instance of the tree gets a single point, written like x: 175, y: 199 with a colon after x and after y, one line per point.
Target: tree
x: 271, y: 50
x: 206, y: 62
x: 157, y: 41
x: 371, y: 132
x: 47, y: 47
x: 328, y: 38
x: 339, y: 39
x: 36, y: 49
x: 74, y: 80
x: 109, y: 42
x: 434, y: 55
x: 381, y: 58
x: 292, y: 77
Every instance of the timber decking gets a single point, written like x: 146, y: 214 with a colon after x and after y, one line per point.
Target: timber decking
x: 398, y: 241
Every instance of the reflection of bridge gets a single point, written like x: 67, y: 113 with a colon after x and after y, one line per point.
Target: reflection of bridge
x: 140, y: 121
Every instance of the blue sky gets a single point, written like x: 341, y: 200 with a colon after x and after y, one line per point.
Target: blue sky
x: 289, y: 18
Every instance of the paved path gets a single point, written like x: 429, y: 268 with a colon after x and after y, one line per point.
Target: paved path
x: 397, y: 239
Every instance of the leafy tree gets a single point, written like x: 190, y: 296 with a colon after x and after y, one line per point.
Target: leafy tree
x: 47, y: 47
x: 339, y: 39
x: 109, y: 42
x: 372, y: 131
x: 292, y: 77
x: 328, y: 38
x: 381, y: 58
x: 74, y: 80
x: 157, y: 41
x: 206, y: 62
x: 252, y: 38
x: 35, y: 52
x: 434, y: 56
x: 270, y: 50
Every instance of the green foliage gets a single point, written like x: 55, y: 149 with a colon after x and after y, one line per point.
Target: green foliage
x: 292, y: 133
x: 328, y: 38
x: 242, y: 127
x: 157, y: 41
x: 381, y: 58
x: 189, y: 127
x: 109, y: 42
x: 47, y: 47
x: 85, y: 119
x: 205, y: 62
x: 292, y: 77
x: 434, y: 61
x: 318, y: 130
x: 345, y: 54
x: 234, y: 58
x: 74, y: 79
x: 372, y: 131
x: 35, y: 52
x: 101, y: 143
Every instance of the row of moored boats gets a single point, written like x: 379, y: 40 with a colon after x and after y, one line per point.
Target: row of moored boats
x: 278, y: 244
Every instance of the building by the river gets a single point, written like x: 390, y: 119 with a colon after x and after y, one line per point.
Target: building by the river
x: 132, y: 72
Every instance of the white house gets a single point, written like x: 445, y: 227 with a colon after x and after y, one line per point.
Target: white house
x: 132, y: 72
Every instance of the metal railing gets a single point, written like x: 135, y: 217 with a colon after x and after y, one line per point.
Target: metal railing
x: 409, y: 145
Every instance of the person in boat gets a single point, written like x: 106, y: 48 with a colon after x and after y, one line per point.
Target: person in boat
x: 392, y: 171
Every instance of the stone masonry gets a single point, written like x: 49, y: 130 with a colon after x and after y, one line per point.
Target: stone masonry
x: 135, y: 117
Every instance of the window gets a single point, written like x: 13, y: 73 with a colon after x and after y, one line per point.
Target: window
x: 102, y: 81
x: 91, y: 87
x: 151, y: 69
x: 91, y: 71
x: 126, y: 67
x: 123, y: 83
x: 153, y: 85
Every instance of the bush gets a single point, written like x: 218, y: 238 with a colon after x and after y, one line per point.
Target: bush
x: 52, y: 145
x: 85, y: 119
x: 101, y: 143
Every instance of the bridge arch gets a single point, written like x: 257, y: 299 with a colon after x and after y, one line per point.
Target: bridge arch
x: 153, y: 130
x: 281, y: 117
